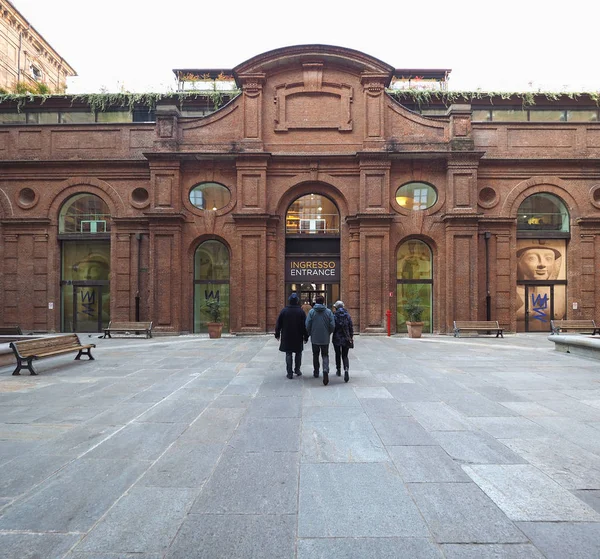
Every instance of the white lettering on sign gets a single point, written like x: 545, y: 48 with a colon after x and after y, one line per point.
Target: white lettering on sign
x: 312, y: 272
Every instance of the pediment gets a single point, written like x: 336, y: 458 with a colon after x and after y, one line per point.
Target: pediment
x: 354, y: 61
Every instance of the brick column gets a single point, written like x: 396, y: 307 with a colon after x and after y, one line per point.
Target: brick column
x: 374, y: 269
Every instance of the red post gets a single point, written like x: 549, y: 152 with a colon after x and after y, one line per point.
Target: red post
x: 388, y: 315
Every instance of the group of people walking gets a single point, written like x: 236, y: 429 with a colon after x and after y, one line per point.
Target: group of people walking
x: 294, y: 327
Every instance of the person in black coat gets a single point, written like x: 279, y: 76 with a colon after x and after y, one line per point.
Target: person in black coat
x: 343, y: 339
x: 291, y: 328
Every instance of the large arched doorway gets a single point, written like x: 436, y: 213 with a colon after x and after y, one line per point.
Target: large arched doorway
x: 414, y: 282
x: 543, y: 230
x: 312, y: 249
x: 84, y: 236
x: 211, y: 284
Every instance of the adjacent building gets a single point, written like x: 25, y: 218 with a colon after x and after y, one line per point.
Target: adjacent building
x: 320, y: 173
x: 27, y: 61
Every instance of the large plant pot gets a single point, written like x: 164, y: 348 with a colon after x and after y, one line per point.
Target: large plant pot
x: 214, y: 329
x: 415, y: 329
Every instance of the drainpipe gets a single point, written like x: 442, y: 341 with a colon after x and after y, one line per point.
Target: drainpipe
x: 138, y: 236
x: 488, y: 298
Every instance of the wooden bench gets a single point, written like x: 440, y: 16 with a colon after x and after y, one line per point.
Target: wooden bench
x: 10, y: 331
x: 580, y: 325
x: 27, y: 351
x: 489, y: 326
x: 128, y: 327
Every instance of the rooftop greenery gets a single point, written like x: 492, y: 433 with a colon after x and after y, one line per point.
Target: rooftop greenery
x: 99, y: 102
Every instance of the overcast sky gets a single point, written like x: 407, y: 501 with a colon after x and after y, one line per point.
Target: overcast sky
x: 133, y: 45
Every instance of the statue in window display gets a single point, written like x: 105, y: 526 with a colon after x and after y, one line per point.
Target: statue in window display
x: 538, y: 261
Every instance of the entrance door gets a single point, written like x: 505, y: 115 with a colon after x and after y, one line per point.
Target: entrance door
x: 543, y: 303
x: 90, y: 306
x: 310, y: 291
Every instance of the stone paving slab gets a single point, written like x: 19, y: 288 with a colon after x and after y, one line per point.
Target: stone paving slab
x: 491, y: 551
x: 476, y: 448
x: 426, y: 464
x: 566, y: 463
x: 356, y: 500
x: 360, y: 548
x: 208, y: 536
x: 251, y: 483
x: 461, y: 512
x: 561, y: 540
x: 75, y: 498
x: 526, y: 494
x: 36, y: 545
x: 354, y: 440
x: 129, y: 528
x: 190, y: 447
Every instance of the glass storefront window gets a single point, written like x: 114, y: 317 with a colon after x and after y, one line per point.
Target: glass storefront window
x: 582, y: 116
x: 509, y: 115
x: 210, y: 196
x: 211, y: 283
x: 547, y: 116
x: 481, y: 115
x: 84, y: 213
x: 416, y: 196
x: 413, y: 261
x: 312, y: 214
x: 543, y: 212
x: 414, y: 276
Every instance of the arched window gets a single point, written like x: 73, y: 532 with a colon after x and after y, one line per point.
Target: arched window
x: 210, y: 196
x: 416, y: 196
x: 211, y: 283
x: 312, y: 214
x: 542, y: 214
x: 414, y: 282
x: 84, y: 213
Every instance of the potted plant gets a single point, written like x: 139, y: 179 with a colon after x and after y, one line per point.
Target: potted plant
x: 213, y: 308
x: 413, y: 310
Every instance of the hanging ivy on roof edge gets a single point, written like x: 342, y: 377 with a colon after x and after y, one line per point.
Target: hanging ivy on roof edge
x: 101, y: 102
x: 527, y: 98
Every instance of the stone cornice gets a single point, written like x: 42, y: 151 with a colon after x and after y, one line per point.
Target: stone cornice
x: 371, y: 219
x: 25, y: 221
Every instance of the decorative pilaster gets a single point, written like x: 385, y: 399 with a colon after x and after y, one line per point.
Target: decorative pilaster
x: 167, y: 128
x: 374, y: 89
x: 374, y: 254
x: 165, y: 265
x: 165, y: 180
x: 252, y: 91
x: 374, y: 185
x: 461, y: 178
x: 252, y: 184
x: 248, y: 285
x: 462, y: 265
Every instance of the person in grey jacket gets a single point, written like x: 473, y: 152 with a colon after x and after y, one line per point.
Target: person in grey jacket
x: 320, y: 324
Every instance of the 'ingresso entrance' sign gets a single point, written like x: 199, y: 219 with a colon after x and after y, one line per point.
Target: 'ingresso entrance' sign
x: 321, y: 269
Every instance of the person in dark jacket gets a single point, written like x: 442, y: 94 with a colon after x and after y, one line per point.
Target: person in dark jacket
x: 343, y: 339
x: 320, y: 325
x: 291, y: 328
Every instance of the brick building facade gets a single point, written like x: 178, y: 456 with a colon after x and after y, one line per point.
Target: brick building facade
x: 315, y: 179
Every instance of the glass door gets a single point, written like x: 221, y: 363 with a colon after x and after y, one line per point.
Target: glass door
x: 90, y: 304
x: 543, y: 303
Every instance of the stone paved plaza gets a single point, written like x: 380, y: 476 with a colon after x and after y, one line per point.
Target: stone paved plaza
x: 185, y: 447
